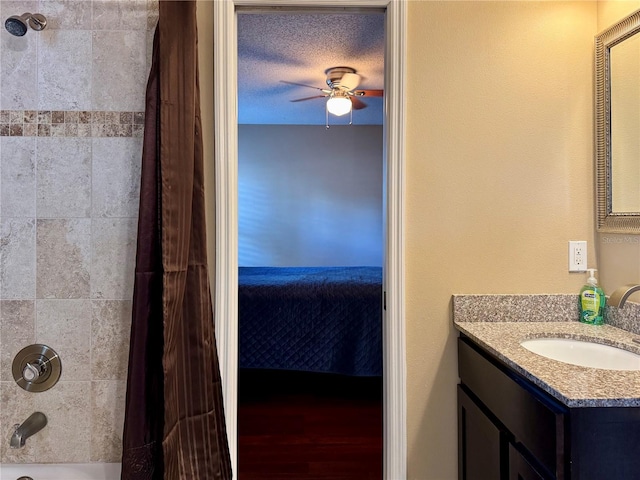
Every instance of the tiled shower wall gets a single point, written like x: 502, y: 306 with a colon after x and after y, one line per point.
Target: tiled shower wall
x: 71, y: 115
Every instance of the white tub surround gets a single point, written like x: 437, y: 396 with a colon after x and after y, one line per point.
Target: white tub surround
x: 62, y: 471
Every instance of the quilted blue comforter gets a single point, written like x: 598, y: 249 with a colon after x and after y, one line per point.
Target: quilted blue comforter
x: 318, y: 319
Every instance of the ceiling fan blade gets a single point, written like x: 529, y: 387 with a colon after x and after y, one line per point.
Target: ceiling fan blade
x: 349, y: 81
x: 308, y: 86
x: 369, y: 93
x: 357, y: 104
x: 308, y: 98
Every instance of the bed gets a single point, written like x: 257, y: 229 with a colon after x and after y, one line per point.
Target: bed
x: 316, y: 319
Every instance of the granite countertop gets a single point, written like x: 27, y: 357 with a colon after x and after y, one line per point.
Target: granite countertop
x: 507, y: 321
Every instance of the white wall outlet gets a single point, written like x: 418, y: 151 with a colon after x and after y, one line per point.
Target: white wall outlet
x: 578, y: 256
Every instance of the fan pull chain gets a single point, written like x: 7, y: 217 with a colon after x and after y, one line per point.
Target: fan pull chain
x: 326, y: 111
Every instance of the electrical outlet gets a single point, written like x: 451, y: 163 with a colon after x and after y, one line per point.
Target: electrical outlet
x: 578, y: 256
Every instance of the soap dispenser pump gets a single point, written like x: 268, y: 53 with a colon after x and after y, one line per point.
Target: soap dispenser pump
x: 592, y: 301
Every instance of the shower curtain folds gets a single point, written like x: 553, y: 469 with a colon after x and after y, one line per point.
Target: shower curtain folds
x: 174, y: 418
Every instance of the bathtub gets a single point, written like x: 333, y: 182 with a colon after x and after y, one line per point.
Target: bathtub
x: 61, y: 471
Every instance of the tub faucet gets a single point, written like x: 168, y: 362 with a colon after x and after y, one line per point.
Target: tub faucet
x: 619, y: 297
x: 36, y: 422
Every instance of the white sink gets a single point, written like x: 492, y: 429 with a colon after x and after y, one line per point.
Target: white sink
x: 584, y: 353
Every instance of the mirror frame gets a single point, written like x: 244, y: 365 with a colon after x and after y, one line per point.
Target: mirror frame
x: 607, y: 220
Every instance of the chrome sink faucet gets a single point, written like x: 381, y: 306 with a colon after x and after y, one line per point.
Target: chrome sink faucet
x: 620, y: 295
x: 36, y: 422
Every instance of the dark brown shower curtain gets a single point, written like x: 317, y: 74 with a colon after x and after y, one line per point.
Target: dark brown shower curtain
x: 174, y: 419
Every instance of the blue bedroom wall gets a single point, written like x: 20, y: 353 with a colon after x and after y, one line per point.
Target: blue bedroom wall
x: 308, y: 196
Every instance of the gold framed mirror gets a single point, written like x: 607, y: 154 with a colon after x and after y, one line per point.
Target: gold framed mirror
x: 617, y: 128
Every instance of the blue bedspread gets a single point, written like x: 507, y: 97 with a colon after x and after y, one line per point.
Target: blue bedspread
x: 319, y: 319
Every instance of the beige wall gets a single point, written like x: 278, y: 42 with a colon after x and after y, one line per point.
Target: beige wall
x: 204, y: 9
x: 499, y: 179
x: 611, y: 11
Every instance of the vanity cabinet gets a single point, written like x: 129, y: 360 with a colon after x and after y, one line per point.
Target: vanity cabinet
x: 479, y: 441
x: 520, y: 468
x: 510, y: 429
x: 517, y: 430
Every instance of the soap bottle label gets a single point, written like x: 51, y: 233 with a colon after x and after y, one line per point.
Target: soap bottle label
x: 591, y: 305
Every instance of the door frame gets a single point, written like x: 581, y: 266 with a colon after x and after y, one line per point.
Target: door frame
x: 225, y: 230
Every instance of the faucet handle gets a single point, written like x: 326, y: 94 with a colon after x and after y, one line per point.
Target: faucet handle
x: 36, y: 368
x: 31, y: 372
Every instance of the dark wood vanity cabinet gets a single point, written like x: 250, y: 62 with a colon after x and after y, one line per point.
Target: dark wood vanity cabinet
x: 520, y: 468
x: 479, y: 443
x: 506, y: 430
x: 509, y: 429
x: 485, y: 450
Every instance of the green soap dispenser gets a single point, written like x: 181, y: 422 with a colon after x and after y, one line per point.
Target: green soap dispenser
x: 592, y: 301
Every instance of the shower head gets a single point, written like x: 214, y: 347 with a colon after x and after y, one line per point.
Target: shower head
x: 17, y: 25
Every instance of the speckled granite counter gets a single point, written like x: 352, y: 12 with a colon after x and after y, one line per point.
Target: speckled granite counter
x: 500, y: 322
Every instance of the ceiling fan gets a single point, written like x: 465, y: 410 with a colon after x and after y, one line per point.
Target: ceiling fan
x: 342, y: 94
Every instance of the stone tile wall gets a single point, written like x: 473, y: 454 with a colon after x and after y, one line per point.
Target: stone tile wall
x: 71, y: 116
x: 45, y: 123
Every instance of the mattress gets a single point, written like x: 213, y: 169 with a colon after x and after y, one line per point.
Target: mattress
x: 317, y: 319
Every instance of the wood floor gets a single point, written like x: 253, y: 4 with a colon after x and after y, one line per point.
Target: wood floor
x: 306, y: 426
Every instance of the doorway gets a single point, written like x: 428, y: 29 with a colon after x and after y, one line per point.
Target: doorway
x: 310, y: 248
x: 225, y: 93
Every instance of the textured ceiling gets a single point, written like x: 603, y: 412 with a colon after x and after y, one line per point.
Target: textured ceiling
x: 299, y: 47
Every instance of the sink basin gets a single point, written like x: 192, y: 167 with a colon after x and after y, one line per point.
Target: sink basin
x: 583, y: 353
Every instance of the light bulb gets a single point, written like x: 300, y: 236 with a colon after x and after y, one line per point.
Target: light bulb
x: 339, y: 105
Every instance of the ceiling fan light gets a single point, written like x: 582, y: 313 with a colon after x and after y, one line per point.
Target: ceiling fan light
x: 339, y: 105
